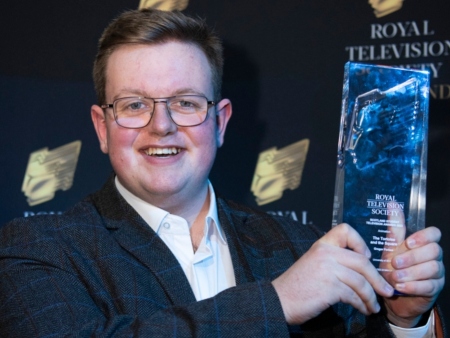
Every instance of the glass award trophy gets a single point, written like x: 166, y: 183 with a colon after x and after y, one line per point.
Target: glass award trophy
x: 382, y: 156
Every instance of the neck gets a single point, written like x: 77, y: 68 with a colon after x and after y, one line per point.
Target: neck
x: 191, y: 208
x: 194, y: 212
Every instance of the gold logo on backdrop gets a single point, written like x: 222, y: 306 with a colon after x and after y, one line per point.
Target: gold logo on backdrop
x: 49, y: 171
x: 164, y: 5
x: 278, y: 170
x: 385, y: 7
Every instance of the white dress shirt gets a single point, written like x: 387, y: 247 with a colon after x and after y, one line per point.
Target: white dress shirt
x: 210, y: 270
x: 426, y: 331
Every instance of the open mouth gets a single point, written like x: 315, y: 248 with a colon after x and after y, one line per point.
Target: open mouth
x: 162, y: 152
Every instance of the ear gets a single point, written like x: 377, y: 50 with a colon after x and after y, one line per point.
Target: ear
x: 223, y: 115
x: 99, y: 120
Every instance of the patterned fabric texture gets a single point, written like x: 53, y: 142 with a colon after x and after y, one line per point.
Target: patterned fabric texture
x: 99, y: 270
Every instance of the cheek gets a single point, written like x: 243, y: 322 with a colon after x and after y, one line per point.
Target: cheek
x: 209, y: 147
x: 120, y: 141
x: 206, y: 138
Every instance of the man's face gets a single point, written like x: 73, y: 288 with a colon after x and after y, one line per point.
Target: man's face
x: 158, y: 71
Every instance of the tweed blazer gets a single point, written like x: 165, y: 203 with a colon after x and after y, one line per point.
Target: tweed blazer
x: 99, y: 270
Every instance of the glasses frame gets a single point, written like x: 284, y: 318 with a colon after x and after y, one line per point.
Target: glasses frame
x: 155, y: 101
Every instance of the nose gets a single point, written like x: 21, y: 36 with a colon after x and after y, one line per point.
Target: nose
x: 161, y: 123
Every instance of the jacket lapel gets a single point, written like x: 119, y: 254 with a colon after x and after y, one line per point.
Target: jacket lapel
x: 139, y: 240
x: 231, y: 221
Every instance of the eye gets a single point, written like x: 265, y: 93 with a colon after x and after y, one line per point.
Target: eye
x: 136, y: 105
x: 132, y: 106
x: 186, y: 104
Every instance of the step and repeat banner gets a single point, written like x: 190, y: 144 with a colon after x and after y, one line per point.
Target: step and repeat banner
x: 284, y: 66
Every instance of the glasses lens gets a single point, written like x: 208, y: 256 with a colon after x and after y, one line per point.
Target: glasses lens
x: 185, y: 110
x: 133, y: 112
x: 188, y: 110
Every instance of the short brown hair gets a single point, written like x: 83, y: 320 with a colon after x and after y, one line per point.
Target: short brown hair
x: 149, y: 26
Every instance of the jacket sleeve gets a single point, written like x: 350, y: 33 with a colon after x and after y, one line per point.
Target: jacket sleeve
x: 41, y: 297
x: 41, y: 301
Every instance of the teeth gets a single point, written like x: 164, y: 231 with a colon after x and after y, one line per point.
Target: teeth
x: 162, y: 151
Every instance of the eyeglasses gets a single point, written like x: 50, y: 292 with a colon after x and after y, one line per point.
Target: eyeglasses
x: 184, y: 110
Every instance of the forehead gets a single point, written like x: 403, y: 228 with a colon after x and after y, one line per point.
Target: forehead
x: 158, y: 69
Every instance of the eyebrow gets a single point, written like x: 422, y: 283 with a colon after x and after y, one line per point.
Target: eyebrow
x: 124, y: 92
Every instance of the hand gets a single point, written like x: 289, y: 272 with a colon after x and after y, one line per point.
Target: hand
x: 417, y: 271
x: 330, y: 273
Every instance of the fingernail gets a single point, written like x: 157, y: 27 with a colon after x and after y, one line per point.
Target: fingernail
x: 377, y: 307
x: 389, y: 289
x: 400, y: 275
x: 400, y: 286
x: 399, y: 262
x: 368, y: 253
x: 411, y: 243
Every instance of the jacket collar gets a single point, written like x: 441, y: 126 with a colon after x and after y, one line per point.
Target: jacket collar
x: 140, y: 241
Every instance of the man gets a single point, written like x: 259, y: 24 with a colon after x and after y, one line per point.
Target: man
x: 156, y: 253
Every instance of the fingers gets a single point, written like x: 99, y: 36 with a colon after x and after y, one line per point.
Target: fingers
x: 418, y: 269
x: 420, y: 257
x: 423, y: 254
x: 325, y: 275
x: 424, y: 288
x: 366, y: 306
x: 426, y: 271
x: 356, y: 291
x: 423, y: 237
x: 345, y: 236
x: 420, y: 238
x: 356, y: 260
x: 329, y: 273
x: 359, y: 269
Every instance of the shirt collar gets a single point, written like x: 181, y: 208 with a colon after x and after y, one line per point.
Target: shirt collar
x: 154, y: 216
x: 213, y: 215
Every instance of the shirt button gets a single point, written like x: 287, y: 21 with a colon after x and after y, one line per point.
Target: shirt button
x: 166, y: 225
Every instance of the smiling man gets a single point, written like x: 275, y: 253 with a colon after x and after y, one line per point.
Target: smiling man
x: 165, y: 157
x: 156, y: 253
